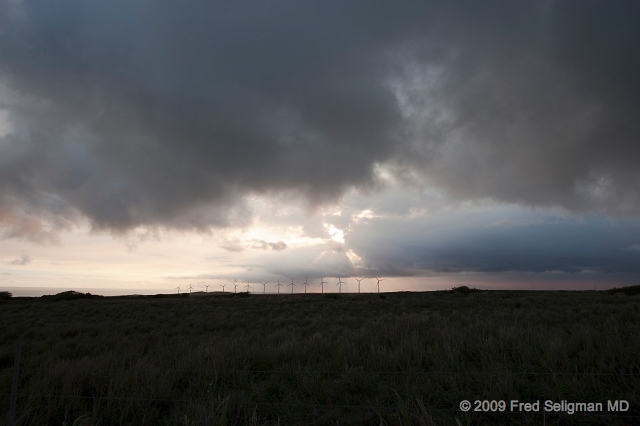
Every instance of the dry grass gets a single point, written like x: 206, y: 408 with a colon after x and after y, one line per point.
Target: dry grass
x: 307, y: 359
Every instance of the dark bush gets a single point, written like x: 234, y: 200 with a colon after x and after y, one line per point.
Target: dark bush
x: 5, y: 295
x: 150, y: 296
x: 463, y: 289
x: 70, y: 295
x: 629, y: 291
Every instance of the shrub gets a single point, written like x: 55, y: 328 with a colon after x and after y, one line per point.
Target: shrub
x: 629, y: 291
x: 463, y: 289
x: 5, y: 295
x: 69, y: 295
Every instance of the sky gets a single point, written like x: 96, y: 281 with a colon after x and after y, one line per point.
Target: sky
x: 429, y: 144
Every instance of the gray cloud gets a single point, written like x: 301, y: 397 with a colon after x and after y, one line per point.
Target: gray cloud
x: 160, y: 114
x: 235, y: 246
x: 279, y: 246
x: 24, y: 259
x: 37, y: 219
x: 265, y: 245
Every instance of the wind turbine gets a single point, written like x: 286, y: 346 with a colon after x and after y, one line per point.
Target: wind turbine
x: 178, y: 288
x: 292, y: 285
x: 264, y: 286
x: 207, y: 288
x: 340, y: 282
x: 279, y: 285
x: 190, y: 288
x: 322, y: 283
x: 358, y: 283
x: 223, y: 286
x: 305, y: 284
x: 248, y: 286
x: 379, y: 283
x: 235, y: 286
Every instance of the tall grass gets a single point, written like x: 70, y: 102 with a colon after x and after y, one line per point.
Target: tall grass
x: 307, y: 359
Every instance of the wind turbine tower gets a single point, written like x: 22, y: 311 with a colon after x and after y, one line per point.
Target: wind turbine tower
x: 248, y: 286
x: 223, y: 286
x: 190, y: 288
x: 235, y: 287
x: 178, y: 288
x: 358, y: 283
x: 340, y: 282
x: 207, y: 288
x: 378, y: 283
x: 292, y: 285
x: 322, y: 283
x: 278, y: 285
x: 305, y: 284
x: 264, y: 286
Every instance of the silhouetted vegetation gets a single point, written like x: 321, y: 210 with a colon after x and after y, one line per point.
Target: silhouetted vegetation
x: 463, y: 289
x: 154, y: 296
x: 70, y: 295
x: 308, y: 359
x: 5, y: 295
x: 629, y: 291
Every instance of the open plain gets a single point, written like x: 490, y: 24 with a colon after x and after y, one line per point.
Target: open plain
x: 395, y: 359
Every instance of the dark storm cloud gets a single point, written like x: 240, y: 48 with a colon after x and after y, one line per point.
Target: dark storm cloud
x: 463, y: 243
x: 538, y: 109
x: 158, y: 113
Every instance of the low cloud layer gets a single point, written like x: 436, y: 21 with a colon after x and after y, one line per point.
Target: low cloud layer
x: 395, y: 236
x: 165, y: 114
x: 563, y: 246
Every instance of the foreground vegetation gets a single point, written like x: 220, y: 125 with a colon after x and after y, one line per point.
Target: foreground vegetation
x: 401, y: 359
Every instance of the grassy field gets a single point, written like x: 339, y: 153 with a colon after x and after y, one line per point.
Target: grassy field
x: 401, y: 359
